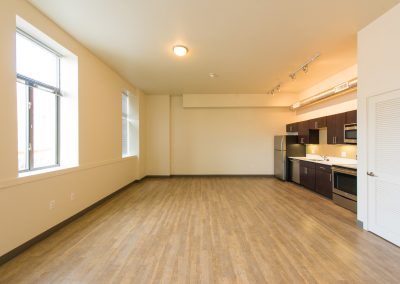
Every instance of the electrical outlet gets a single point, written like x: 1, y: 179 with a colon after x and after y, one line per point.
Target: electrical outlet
x: 52, y: 204
x: 72, y: 196
x: 344, y: 154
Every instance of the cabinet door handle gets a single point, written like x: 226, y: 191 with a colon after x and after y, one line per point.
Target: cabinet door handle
x: 322, y: 168
x: 305, y: 170
x: 371, y: 174
x: 316, y: 124
x: 290, y: 129
x: 330, y: 177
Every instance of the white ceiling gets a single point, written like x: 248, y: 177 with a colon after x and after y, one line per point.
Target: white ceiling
x: 252, y: 45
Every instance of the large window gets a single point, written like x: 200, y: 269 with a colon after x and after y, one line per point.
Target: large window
x: 38, y: 104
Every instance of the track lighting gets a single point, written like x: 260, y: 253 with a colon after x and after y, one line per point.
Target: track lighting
x: 304, y: 67
x: 275, y: 89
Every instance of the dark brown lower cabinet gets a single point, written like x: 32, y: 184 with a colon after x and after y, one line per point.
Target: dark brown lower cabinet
x: 316, y: 177
x: 307, y: 175
x: 323, y: 180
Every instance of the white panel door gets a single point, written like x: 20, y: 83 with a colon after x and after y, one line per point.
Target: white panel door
x: 384, y: 165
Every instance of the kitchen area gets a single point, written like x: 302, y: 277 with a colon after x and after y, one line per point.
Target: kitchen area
x: 320, y: 154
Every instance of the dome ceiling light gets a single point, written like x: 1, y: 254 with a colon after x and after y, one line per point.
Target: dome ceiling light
x: 180, y: 50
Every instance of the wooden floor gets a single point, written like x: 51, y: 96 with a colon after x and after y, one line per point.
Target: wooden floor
x: 210, y: 230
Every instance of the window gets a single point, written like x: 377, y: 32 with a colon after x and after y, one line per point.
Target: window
x: 38, y: 104
x: 125, y: 125
x: 130, y: 123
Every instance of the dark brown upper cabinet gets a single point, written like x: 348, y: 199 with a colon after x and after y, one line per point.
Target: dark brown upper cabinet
x: 309, y: 130
x: 303, y: 132
x: 317, y: 123
x: 292, y: 127
x: 335, y: 124
x: 307, y: 135
x: 351, y: 117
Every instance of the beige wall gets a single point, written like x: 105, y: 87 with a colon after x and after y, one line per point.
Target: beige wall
x: 158, y: 135
x: 224, y: 140
x: 24, y: 202
x: 379, y: 65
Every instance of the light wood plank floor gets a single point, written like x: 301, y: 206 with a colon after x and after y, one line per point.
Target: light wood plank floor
x: 210, y: 230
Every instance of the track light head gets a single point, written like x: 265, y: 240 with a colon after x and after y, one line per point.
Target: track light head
x: 275, y: 89
x: 305, y: 66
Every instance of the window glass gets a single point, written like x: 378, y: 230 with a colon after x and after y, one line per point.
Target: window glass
x: 44, y: 129
x: 36, y: 62
x: 22, y: 110
x: 125, y: 125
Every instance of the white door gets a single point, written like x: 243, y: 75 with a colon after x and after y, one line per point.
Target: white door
x: 384, y: 165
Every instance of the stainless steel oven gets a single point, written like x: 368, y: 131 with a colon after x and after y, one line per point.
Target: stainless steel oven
x: 350, y: 133
x: 345, y: 187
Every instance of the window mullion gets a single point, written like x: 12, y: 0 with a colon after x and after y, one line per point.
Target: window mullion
x: 58, y: 163
x: 30, y: 127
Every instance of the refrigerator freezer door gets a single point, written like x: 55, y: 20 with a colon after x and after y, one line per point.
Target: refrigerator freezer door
x: 279, y: 143
x: 280, y: 164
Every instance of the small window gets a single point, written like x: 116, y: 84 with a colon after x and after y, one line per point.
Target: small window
x: 38, y: 103
x: 130, y: 124
x: 125, y: 125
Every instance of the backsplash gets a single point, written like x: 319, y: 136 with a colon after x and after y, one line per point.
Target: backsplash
x: 331, y: 150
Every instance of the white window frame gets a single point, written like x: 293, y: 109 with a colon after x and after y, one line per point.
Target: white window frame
x: 31, y: 84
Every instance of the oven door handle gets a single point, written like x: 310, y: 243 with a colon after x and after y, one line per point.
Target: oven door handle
x: 344, y: 171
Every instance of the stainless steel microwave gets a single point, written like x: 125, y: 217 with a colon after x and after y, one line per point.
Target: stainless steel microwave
x: 350, y: 133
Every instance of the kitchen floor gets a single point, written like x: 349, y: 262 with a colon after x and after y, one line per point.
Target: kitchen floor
x: 210, y: 230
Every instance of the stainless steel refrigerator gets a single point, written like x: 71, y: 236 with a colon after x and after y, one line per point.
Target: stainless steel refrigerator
x: 286, y: 146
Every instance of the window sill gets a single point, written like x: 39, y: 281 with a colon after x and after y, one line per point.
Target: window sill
x: 133, y: 156
x: 44, y: 171
x: 29, y: 177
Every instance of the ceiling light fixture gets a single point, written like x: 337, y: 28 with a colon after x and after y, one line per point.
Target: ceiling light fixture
x: 212, y: 75
x: 276, y: 89
x: 180, y: 50
x: 304, y: 67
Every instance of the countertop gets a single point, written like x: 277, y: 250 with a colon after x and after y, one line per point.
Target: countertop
x: 332, y: 161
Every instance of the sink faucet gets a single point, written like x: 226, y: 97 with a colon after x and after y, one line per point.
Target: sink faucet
x: 325, y: 158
